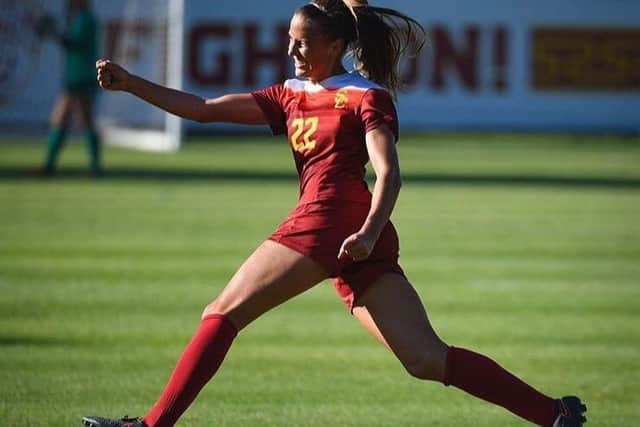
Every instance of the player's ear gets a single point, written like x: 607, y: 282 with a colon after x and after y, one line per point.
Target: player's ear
x: 337, y: 47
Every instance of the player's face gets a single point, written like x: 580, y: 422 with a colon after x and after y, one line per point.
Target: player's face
x: 314, y: 55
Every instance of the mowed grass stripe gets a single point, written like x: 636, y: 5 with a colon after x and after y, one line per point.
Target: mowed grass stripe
x: 102, y: 283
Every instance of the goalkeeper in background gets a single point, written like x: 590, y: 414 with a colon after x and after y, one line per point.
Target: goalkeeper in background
x: 79, y: 40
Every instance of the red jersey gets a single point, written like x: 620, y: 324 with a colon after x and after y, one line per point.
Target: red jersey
x: 326, y: 123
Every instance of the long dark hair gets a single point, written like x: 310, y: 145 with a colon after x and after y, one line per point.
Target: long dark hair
x: 376, y: 37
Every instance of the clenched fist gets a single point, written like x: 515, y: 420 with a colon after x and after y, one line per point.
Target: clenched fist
x: 112, y: 76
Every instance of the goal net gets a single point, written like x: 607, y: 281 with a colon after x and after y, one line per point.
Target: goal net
x: 146, y: 38
x: 20, y: 50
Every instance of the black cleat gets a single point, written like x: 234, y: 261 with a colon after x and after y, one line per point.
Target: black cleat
x: 91, y: 421
x: 570, y: 412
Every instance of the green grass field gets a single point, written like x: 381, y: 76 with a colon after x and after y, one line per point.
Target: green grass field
x: 524, y: 247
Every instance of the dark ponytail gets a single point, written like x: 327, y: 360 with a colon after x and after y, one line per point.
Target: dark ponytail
x: 376, y: 37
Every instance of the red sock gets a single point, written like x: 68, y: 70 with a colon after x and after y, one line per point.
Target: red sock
x: 199, y: 361
x: 482, y: 377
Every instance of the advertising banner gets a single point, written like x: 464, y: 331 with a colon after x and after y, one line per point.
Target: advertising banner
x: 500, y: 64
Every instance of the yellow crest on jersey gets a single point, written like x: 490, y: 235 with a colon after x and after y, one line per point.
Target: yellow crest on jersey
x: 342, y: 98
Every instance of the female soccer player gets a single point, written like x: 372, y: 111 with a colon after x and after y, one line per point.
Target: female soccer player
x: 335, y: 122
x: 80, y: 43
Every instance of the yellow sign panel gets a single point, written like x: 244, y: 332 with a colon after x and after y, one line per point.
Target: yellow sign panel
x: 586, y: 59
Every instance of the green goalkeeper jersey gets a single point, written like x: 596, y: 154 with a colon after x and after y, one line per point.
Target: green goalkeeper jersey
x: 80, y: 42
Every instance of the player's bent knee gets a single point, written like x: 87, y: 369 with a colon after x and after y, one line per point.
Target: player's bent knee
x: 425, y: 367
x: 422, y: 371
x: 214, y: 308
x: 230, y: 309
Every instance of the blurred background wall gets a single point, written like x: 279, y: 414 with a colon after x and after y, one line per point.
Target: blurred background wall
x: 563, y: 65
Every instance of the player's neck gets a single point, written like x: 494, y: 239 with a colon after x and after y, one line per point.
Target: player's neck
x: 336, y: 72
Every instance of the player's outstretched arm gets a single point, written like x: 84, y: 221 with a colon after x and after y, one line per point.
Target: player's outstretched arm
x: 236, y: 108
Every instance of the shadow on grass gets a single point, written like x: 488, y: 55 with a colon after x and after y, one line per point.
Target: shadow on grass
x: 239, y: 175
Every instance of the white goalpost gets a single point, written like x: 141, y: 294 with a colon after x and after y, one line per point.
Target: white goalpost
x: 146, y: 37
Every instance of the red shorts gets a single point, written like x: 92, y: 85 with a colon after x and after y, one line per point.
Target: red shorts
x: 318, y: 229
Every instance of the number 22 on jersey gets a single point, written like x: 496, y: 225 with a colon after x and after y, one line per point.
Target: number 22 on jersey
x: 302, y: 137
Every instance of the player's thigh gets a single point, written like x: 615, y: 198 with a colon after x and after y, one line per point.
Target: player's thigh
x: 392, y: 311
x: 62, y: 110
x: 272, y: 275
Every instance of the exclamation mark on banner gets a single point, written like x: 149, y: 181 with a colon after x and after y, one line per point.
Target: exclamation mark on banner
x: 500, y: 59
